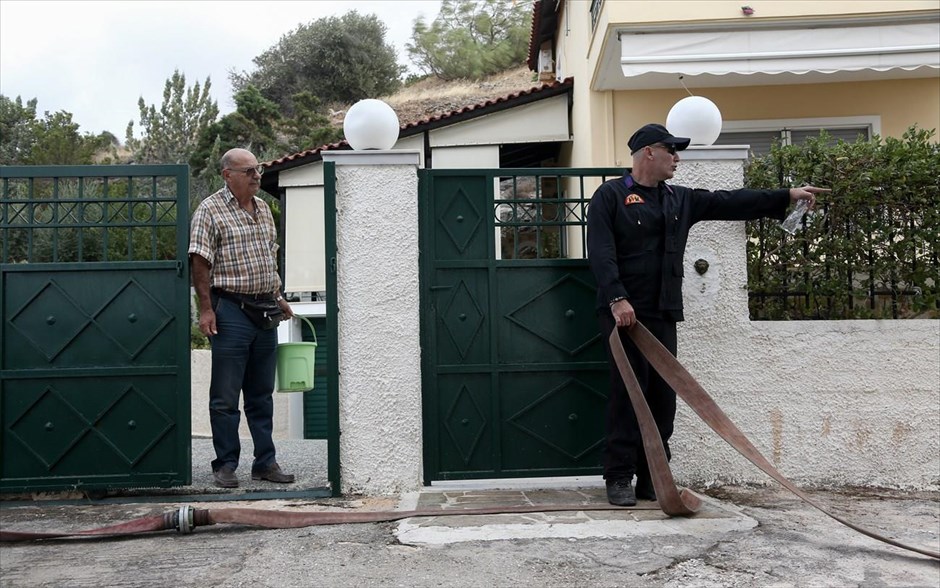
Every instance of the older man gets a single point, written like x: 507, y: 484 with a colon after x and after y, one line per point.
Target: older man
x: 233, y: 253
x: 638, y: 226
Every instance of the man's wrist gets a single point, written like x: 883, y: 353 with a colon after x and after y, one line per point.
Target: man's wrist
x: 614, y: 301
x: 278, y: 298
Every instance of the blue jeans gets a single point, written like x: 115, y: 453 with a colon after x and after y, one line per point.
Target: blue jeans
x: 244, y: 359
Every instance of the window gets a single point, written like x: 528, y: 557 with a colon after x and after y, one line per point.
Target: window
x: 760, y: 135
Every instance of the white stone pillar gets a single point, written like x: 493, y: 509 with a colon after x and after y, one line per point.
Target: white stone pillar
x: 718, y: 297
x: 717, y: 325
x: 378, y: 325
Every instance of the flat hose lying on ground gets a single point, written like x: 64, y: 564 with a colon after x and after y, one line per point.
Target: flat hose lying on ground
x: 187, y: 518
x: 705, y: 407
x: 671, y: 500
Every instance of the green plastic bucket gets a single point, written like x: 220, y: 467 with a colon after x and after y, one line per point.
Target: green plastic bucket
x: 295, y: 363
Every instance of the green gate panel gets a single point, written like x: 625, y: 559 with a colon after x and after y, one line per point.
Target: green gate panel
x: 553, y: 422
x: 61, y: 432
x: 465, y: 426
x: 315, y: 401
x: 515, y: 376
x: 462, y: 319
x: 462, y: 213
x: 93, y: 392
x: 547, y: 312
x: 94, y: 327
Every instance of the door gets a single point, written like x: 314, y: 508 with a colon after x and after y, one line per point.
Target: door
x: 94, y: 296
x: 515, y: 377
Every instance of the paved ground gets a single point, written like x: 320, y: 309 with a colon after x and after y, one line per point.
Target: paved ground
x: 744, y: 537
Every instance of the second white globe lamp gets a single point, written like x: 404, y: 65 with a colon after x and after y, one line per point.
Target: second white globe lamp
x: 697, y: 118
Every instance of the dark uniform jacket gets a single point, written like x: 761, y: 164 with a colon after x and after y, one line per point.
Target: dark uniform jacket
x: 637, y: 237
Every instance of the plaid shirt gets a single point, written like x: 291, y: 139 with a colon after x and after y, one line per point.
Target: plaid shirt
x: 241, y: 248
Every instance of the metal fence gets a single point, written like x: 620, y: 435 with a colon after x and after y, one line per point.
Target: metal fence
x: 852, y: 261
x: 849, y: 261
x: 65, y: 214
x: 542, y: 213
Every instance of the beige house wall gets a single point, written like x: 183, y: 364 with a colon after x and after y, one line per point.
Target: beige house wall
x: 603, y: 120
x: 898, y: 103
x: 638, y: 11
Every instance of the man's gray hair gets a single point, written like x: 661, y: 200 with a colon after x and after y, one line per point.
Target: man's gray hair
x: 229, y: 155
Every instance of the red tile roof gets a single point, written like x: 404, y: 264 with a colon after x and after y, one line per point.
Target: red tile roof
x: 534, y: 37
x: 414, y: 128
x: 544, y: 21
x: 488, y: 106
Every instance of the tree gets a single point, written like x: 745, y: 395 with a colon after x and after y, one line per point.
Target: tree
x: 58, y: 142
x: 53, y: 140
x: 472, y: 38
x: 252, y: 126
x: 342, y: 59
x: 308, y: 128
x: 17, y: 130
x: 170, y: 135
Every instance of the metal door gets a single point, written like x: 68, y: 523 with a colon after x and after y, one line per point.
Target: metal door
x: 94, y: 295
x: 515, y: 378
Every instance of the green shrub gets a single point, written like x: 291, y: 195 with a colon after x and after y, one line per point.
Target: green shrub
x: 871, y: 251
x: 196, y: 339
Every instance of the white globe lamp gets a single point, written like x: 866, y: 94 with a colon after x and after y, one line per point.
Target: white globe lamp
x: 371, y: 124
x: 697, y: 118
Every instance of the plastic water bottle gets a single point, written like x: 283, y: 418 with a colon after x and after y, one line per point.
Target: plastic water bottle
x: 792, y: 223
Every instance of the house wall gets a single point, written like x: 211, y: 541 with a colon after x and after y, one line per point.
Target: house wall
x: 898, y: 103
x: 509, y: 126
x: 602, y: 121
x: 639, y: 11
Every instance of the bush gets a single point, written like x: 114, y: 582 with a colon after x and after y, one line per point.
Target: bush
x: 873, y: 250
x: 196, y: 339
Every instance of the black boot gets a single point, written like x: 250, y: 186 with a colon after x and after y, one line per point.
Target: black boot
x: 620, y: 492
x: 644, y: 488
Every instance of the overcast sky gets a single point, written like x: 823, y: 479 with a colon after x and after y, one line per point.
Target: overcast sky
x: 95, y: 59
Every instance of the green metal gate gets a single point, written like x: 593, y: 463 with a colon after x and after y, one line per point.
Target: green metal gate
x: 515, y: 378
x: 315, y: 401
x: 95, y: 329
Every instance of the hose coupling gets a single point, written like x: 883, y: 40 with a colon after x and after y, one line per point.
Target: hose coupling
x: 184, y: 520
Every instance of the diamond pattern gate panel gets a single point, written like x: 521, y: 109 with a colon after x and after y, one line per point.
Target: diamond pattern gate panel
x: 515, y: 378
x: 95, y: 354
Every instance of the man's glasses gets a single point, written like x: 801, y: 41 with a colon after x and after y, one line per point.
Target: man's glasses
x: 248, y: 171
x: 671, y: 149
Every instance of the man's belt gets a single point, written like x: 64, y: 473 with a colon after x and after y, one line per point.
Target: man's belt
x: 238, y: 296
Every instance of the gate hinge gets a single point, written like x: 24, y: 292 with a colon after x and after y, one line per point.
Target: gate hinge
x: 179, y: 268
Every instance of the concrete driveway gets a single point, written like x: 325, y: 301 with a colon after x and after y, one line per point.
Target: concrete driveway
x: 745, y: 537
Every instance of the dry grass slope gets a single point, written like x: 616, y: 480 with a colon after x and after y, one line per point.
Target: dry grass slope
x: 431, y: 97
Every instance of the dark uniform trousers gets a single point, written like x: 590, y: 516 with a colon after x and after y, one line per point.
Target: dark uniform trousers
x: 623, y: 453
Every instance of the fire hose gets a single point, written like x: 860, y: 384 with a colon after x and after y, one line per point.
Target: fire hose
x: 672, y: 501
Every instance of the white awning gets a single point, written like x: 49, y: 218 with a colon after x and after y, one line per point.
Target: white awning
x: 782, y: 51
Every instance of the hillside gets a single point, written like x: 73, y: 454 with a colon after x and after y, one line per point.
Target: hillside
x: 430, y: 97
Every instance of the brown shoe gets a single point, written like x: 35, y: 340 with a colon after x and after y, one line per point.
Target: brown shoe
x: 225, y: 477
x: 273, y: 474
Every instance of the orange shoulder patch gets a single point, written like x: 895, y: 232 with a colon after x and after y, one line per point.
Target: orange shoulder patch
x: 633, y: 199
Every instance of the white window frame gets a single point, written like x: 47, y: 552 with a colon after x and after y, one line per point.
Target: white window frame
x: 873, y: 122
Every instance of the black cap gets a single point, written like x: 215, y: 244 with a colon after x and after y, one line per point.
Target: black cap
x: 653, y: 133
